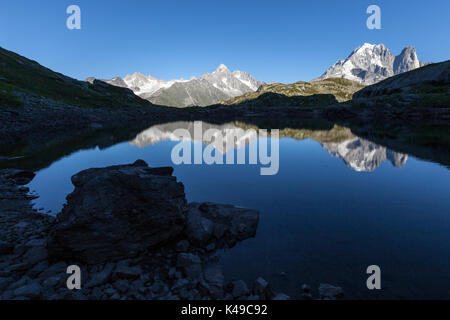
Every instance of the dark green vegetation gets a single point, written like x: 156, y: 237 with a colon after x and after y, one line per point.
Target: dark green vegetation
x: 19, y: 74
x: 7, y: 96
x: 318, y: 93
x: 428, y: 86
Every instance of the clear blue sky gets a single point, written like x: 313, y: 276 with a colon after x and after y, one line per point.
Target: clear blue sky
x: 279, y: 40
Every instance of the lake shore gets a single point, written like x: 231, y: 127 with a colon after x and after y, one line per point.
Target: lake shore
x: 174, y: 264
x: 44, y: 122
x: 30, y: 271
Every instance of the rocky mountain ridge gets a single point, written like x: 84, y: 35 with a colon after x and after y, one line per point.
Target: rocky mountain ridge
x: 370, y: 63
x: 426, y: 86
x: 210, y: 88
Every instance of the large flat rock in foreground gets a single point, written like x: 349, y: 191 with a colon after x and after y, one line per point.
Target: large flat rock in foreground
x: 118, y: 211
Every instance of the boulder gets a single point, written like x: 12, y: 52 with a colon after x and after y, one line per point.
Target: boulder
x: 125, y: 271
x: 191, y: 264
x: 226, y: 223
x: 261, y: 288
x: 101, y: 277
x: 198, y: 228
x: 214, y: 279
x: 187, y: 259
x: 305, y: 288
x: 182, y: 246
x: 118, y: 211
x: 20, y: 177
x: 239, y: 289
x: 329, y: 292
x: 214, y: 276
x: 35, y: 255
x: 282, y: 296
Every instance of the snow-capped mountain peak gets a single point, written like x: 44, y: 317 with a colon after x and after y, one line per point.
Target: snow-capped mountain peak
x: 143, y: 85
x: 231, y: 83
x: 247, y: 79
x: 369, y: 47
x: 222, y: 68
x: 407, y: 60
x: 210, y: 88
x: 371, y: 63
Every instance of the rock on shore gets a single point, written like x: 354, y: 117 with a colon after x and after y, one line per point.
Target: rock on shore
x: 224, y: 224
x: 126, y: 227
x: 118, y: 211
x: 134, y: 236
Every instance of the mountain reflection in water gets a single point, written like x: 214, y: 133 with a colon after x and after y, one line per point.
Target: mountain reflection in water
x: 358, y: 154
x: 319, y: 221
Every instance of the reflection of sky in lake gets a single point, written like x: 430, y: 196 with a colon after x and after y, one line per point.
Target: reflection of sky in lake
x: 321, y: 220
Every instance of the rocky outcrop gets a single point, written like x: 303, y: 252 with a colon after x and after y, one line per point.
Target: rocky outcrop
x: 119, y: 211
x: 433, y: 74
x: 406, y: 61
x: 330, y: 292
x: 222, y: 225
x: 427, y: 86
x: 19, y: 222
x: 126, y: 227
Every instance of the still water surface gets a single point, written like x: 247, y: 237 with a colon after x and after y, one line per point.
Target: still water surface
x: 338, y: 204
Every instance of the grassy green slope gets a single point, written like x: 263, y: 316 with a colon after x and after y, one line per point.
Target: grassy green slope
x: 341, y: 89
x: 428, y: 86
x: 18, y: 73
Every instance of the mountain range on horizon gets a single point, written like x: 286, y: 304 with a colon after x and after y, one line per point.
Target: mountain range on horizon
x: 210, y: 88
x: 20, y: 77
x: 367, y: 64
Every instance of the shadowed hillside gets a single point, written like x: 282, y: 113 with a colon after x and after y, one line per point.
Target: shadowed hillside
x: 21, y: 75
x: 428, y: 86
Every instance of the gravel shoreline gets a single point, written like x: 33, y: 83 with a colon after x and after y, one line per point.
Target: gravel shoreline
x: 182, y: 268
